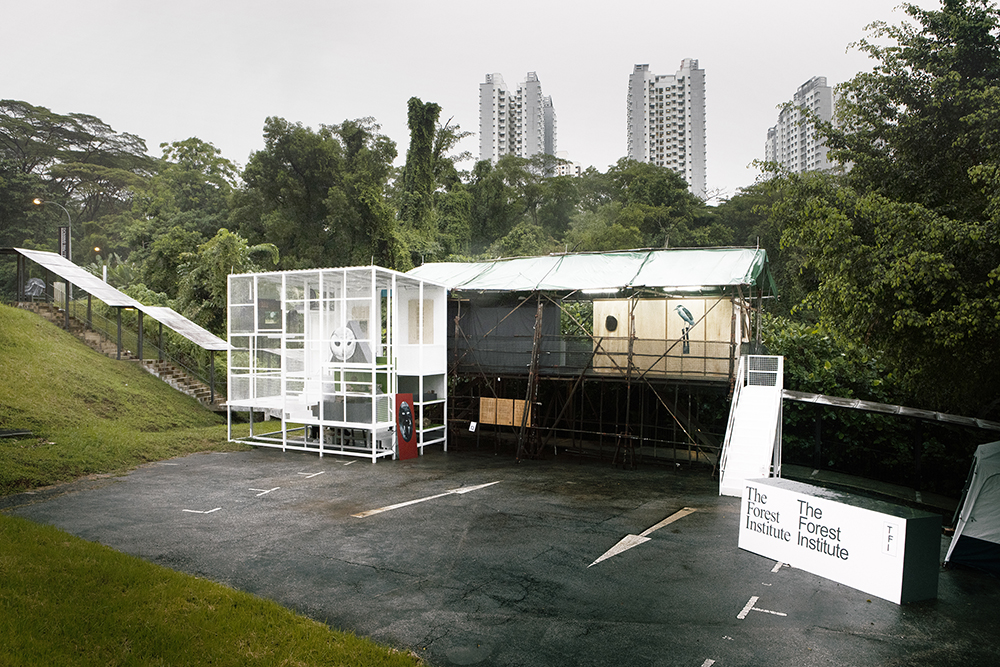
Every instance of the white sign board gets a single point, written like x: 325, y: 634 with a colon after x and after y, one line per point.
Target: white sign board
x: 886, y: 550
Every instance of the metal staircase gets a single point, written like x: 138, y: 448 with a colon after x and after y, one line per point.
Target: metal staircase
x: 169, y: 372
x: 752, y: 448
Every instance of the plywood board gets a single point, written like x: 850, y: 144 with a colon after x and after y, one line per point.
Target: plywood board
x: 487, y: 410
x: 649, y: 355
x: 719, y: 322
x: 428, y: 323
x: 519, y: 414
x: 505, y: 412
x: 614, y: 343
x: 650, y: 326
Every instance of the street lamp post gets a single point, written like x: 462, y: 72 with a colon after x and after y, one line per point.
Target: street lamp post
x: 69, y: 246
x: 69, y: 222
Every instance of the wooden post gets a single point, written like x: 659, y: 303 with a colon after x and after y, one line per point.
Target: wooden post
x: 532, y: 389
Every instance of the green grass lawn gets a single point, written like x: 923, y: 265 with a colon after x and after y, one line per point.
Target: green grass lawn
x: 88, y: 414
x: 65, y: 601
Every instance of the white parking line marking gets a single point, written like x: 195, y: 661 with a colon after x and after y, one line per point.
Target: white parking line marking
x: 750, y: 607
x: 747, y: 608
x: 708, y: 662
x: 768, y: 611
x: 777, y: 566
x: 265, y: 491
x: 464, y: 489
x: 630, y: 540
x: 202, y: 511
x: 311, y: 475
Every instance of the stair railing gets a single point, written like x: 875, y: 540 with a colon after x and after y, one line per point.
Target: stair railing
x: 81, y: 311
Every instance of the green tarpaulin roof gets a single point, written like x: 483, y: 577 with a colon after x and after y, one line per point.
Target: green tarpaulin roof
x: 675, y: 270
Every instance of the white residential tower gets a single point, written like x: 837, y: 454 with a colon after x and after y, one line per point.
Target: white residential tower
x: 793, y: 142
x: 666, y: 121
x: 522, y: 122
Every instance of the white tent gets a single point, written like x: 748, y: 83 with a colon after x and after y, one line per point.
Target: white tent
x: 976, y: 542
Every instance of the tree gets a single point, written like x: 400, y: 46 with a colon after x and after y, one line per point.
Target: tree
x: 655, y: 201
x: 446, y: 140
x: 193, y: 176
x: 902, y: 254
x: 602, y: 230
x: 287, y: 184
x: 78, y: 160
x: 418, y: 173
x: 34, y: 140
x: 920, y: 125
x: 166, y: 255
x: 494, y: 207
x: 202, y: 294
x: 19, y: 219
x: 916, y: 287
x: 319, y: 196
x: 360, y: 206
x: 560, y: 199
x: 525, y: 239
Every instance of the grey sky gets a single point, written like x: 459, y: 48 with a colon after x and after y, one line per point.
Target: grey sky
x: 216, y: 69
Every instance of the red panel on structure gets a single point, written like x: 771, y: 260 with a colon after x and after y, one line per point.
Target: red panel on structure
x: 406, y: 430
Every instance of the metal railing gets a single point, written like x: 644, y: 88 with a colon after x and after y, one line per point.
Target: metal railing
x: 169, y: 347
x: 609, y: 356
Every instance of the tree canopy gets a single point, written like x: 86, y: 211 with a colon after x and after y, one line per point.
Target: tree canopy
x: 900, y: 255
x: 919, y: 126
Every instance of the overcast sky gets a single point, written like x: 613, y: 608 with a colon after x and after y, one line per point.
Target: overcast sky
x: 215, y: 69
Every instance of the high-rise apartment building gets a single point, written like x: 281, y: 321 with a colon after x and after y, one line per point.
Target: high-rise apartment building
x: 793, y: 142
x: 666, y: 121
x: 565, y: 167
x: 522, y: 122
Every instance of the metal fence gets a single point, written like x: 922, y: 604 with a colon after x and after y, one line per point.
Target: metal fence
x: 156, y: 343
x: 570, y: 356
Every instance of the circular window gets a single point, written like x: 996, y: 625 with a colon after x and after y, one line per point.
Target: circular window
x: 611, y: 323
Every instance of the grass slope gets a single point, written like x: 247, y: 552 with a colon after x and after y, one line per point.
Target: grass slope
x: 87, y: 413
x: 66, y: 601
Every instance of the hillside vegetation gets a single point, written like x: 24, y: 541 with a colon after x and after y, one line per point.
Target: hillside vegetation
x: 87, y: 413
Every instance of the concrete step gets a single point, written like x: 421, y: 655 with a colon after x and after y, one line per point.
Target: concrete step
x: 164, y: 370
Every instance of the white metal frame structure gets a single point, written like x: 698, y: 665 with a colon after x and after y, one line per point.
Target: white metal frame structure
x: 325, y: 351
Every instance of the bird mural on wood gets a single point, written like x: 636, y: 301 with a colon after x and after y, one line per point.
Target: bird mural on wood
x: 689, y: 320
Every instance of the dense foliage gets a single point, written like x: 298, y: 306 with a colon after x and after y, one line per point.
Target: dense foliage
x: 896, y: 253
x: 329, y: 196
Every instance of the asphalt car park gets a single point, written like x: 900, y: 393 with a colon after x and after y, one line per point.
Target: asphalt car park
x: 470, y: 558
